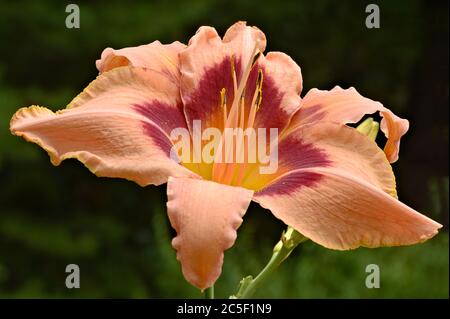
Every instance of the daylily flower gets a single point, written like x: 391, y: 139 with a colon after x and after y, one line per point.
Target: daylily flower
x: 333, y: 184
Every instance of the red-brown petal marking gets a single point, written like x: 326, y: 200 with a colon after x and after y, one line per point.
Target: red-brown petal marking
x: 163, y: 114
x: 204, y: 103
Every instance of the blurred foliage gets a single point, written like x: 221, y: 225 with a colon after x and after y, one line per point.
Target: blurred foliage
x: 117, y: 232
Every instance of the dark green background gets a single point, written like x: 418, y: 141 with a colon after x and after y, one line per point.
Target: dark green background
x: 118, y: 233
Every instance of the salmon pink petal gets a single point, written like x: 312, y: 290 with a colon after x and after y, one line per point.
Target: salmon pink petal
x: 118, y: 126
x: 212, y: 70
x: 206, y: 216
x: 342, y: 193
x: 155, y: 56
x: 348, y: 106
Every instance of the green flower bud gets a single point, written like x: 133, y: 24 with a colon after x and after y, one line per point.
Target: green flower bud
x: 369, y: 127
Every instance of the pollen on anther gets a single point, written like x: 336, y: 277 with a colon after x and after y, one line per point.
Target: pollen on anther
x: 223, y: 97
x: 259, y: 83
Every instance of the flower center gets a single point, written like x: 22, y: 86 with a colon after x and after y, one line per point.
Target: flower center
x: 226, y: 169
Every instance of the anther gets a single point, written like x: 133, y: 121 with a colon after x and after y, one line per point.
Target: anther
x: 259, y: 83
x: 223, y: 97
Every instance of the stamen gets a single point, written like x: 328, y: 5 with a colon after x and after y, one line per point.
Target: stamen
x: 223, y: 97
x: 242, y: 115
x: 233, y: 74
x: 259, y: 83
x: 256, y: 100
x: 240, y: 147
x: 223, y: 105
x: 243, y: 82
x: 235, y: 116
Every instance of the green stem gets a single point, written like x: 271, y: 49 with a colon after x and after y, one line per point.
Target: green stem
x: 289, y: 240
x: 209, y: 293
